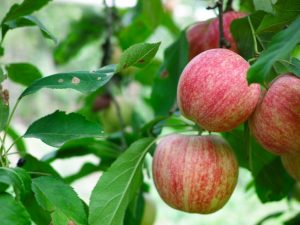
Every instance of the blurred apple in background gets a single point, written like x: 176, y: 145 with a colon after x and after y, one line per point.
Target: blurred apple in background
x: 149, y: 213
x: 194, y: 174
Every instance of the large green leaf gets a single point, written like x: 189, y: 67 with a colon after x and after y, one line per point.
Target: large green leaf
x: 57, y: 128
x: 12, y: 211
x: 138, y: 55
x: 272, y: 183
x: 86, y: 30
x: 118, y: 185
x: 82, y: 81
x: 4, y: 109
x: 26, y: 21
x: 102, y: 148
x: 25, y: 8
x: 23, y: 73
x: 165, y: 83
x: 281, y: 45
x: 57, y: 197
x: 18, y: 178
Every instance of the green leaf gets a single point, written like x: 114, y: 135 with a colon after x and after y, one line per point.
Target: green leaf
x: 38, y: 215
x: 165, y: 83
x: 82, y: 81
x: 281, y: 45
x: 247, y: 6
x: 138, y: 55
x: 293, y: 221
x: 12, y: 211
x: 57, y: 197
x: 293, y: 66
x: 272, y: 183
x: 26, y: 21
x: 18, y: 178
x: 4, y: 109
x: 102, y: 148
x: 135, y: 210
x: 2, y: 74
x: 36, y: 166
x: 146, y: 75
x: 266, y: 6
x: 57, y: 128
x: 19, y: 142
x: 153, y: 11
x: 241, y: 31
x: 111, y: 197
x: 88, y: 29
x: 25, y: 8
x: 23, y: 73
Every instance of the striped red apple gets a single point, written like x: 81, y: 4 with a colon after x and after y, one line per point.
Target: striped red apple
x: 276, y: 121
x: 195, y: 173
x: 213, y: 90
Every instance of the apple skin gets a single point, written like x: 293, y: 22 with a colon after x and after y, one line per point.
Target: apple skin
x: 196, y: 37
x: 213, y: 30
x: 291, y: 163
x: 276, y: 121
x: 213, y: 90
x: 194, y: 174
x: 109, y: 118
x: 149, y: 213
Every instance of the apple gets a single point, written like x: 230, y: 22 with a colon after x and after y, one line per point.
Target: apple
x: 196, y: 37
x: 149, y: 213
x: 204, y: 35
x: 291, y: 163
x: 194, y: 174
x: 276, y: 121
x: 109, y: 117
x: 213, y: 90
x: 213, y: 30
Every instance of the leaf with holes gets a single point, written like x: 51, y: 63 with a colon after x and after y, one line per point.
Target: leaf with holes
x: 57, y: 197
x: 138, y: 55
x: 118, y: 185
x: 82, y: 81
x: 57, y: 128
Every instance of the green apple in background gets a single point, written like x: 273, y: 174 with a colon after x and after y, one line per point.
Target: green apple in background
x: 109, y: 116
x: 149, y: 211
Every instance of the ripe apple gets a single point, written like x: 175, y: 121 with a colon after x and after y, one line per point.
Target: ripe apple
x: 291, y: 163
x: 204, y: 35
x: 213, y: 90
x: 213, y: 30
x: 196, y: 37
x: 149, y: 213
x: 194, y: 173
x: 109, y: 116
x: 276, y: 120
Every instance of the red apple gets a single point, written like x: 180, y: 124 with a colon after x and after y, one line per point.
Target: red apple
x: 291, y: 163
x: 213, y: 30
x: 213, y: 90
x: 276, y: 121
x: 194, y: 173
x: 196, y: 36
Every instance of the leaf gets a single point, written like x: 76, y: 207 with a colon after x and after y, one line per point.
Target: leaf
x: 38, y: 167
x: 86, y: 30
x: 146, y: 75
x: 135, y: 210
x: 138, y: 55
x: 57, y: 128
x: 26, y: 21
x: 293, y: 66
x: 19, y: 142
x: 102, y: 148
x: 2, y: 74
x: 268, y: 217
x: 118, y: 185
x: 18, y: 178
x: 241, y: 31
x: 82, y: 81
x: 165, y: 83
x: 25, y: 8
x: 23, y: 73
x: 293, y: 221
x: 4, y: 109
x: 12, y: 211
x: 85, y: 170
x: 263, y: 5
x: 272, y: 183
x: 153, y: 11
x: 281, y: 45
x: 55, y: 196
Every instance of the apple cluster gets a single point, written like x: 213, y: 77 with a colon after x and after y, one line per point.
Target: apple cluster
x: 198, y: 174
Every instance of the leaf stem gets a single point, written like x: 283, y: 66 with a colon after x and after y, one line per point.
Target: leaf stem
x: 14, y: 142
x: 253, y: 36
